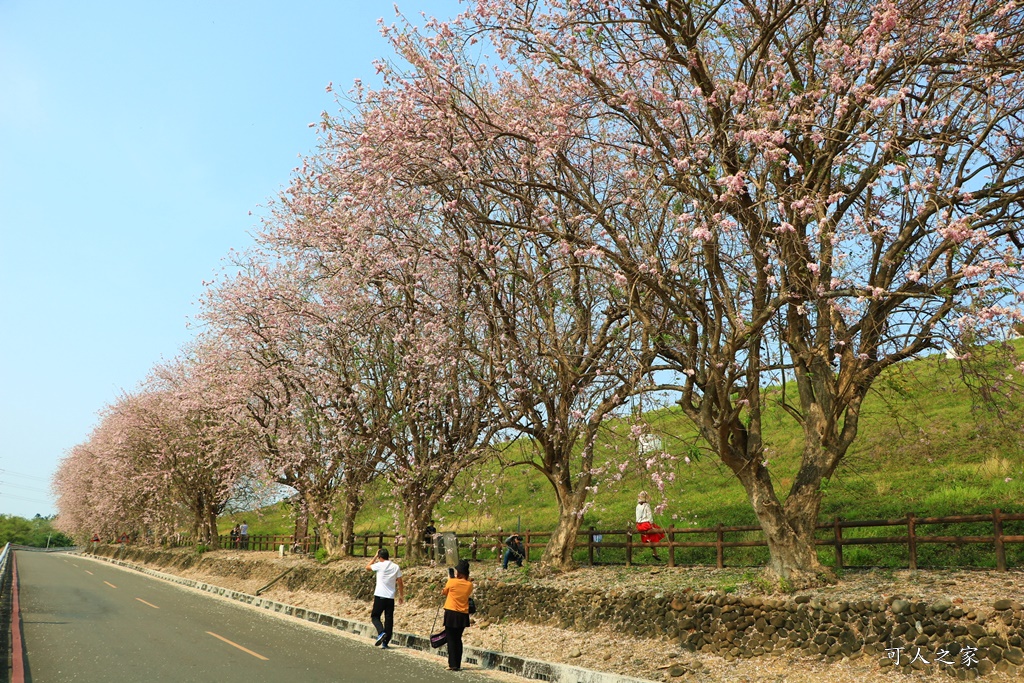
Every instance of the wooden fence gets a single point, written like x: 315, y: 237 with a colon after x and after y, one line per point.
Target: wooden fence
x: 268, y: 542
x: 592, y: 543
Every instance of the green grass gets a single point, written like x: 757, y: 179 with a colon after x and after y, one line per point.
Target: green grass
x: 925, y: 446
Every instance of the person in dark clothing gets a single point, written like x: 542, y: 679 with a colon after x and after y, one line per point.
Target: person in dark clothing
x: 428, y: 539
x: 514, y: 550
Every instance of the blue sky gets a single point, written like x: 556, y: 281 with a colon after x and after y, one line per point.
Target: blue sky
x: 135, y: 140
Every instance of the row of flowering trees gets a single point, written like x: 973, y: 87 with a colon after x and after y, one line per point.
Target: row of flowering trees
x: 551, y: 206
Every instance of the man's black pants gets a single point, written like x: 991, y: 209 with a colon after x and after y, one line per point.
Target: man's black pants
x: 385, y: 606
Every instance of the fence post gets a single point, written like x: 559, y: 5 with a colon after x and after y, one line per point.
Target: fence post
x: 590, y: 547
x: 527, y: 547
x: 380, y: 540
x: 719, y: 548
x: 997, y: 529
x: 629, y: 547
x: 671, y: 545
x: 476, y: 542
x: 838, y: 530
x: 912, y: 541
x: 366, y: 545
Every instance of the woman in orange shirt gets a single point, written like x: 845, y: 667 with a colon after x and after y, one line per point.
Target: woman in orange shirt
x: 456, y: 612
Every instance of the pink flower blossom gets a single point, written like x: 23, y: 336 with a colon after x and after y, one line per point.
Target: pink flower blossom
x: 701, y: 233
x: 984, y: 41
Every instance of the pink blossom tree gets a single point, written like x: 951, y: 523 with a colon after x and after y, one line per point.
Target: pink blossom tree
x: 402, y: 304
x: 194, y: 449
x: 162, y: 458
x: 540, y: 324
x: 297, y: 370
x: 813, y: 190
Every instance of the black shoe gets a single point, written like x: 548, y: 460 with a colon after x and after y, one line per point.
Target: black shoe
x: 385, y: 647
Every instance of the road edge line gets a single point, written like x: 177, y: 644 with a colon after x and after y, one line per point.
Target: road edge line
x: 17, y: 645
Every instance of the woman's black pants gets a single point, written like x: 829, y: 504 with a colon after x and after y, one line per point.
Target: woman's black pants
x: 454, y: 624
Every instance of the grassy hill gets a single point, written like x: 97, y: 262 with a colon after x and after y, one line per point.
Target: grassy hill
x: 927, y: 445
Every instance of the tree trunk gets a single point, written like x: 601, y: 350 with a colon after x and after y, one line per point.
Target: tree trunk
x: 353, y: 503
x: 319, y: 511
x: 558, y: 551
x: 416, y: 520
x: 328, y: 541
x: 788, y: 529
x: 212, y: 539
x: 419, y: 500
x: 301, y: 525
x: 198, y: 522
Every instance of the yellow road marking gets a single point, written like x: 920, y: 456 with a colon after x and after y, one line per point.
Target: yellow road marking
x: 147, y: 603
x: 243, y: 649
x: 89, y: 572
x: 110, y: 584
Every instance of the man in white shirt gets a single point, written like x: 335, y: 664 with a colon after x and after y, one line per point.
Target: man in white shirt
x: 389, y: 578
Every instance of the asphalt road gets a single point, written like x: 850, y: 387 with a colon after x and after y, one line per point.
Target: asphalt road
x: 87, y: 621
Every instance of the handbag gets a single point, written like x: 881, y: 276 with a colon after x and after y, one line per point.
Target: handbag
x: 439, y: 639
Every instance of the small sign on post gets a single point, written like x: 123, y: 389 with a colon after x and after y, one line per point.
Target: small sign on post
x: 446, y: 546
x: 649, y: 443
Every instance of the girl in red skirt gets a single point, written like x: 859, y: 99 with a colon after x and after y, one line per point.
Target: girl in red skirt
x: 649, y: 531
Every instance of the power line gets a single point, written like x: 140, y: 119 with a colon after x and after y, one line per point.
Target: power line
x: 23, y: 487
x: 22, y: 475
x: 13, y: 496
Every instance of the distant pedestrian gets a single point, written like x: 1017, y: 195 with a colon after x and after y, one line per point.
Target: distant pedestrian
x: 649, y: 532
x: 235, y: 534
x: 456, y: 612
x: 95, y: 543
x: 428, y: 539
x: 389, y: 581
x: 243, y: 535
x: 514, y: 551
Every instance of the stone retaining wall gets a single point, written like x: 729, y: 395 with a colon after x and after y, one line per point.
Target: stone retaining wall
x: 908, y: 636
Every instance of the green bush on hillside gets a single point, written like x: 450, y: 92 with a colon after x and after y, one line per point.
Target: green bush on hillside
x: 37, y: 532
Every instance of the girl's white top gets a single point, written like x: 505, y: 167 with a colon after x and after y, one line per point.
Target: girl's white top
x: 643, y: 513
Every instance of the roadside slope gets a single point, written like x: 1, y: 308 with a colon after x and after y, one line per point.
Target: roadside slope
x: 647, y: 623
